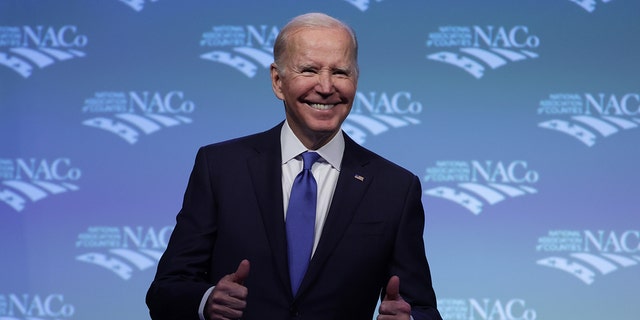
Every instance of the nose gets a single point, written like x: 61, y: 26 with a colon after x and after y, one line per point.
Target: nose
x: 325, y: 83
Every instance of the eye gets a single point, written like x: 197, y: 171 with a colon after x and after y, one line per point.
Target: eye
x: 341, y: 73
x: 307, y: 70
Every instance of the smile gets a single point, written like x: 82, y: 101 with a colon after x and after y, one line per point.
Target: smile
x: 320, y: 106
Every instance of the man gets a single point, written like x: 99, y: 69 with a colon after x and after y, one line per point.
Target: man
x: 233, y: 251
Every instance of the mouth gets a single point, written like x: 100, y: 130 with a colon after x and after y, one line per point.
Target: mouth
x: 321, y: 106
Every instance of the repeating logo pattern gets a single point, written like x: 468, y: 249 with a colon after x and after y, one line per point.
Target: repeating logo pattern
x: 137, y: 5
x: 480, y: 48
x: 22, y: 49
x: 244, y: 48
x: 130, y: 115
x: 35, y: 307
x: 123, y: 250
x: 589, y: 5
x: 362, y: 5
x: 23, y: 180
x: 589, y: 254
x: 375, y: 113
x: 486, y: 309
x: 590, y: 116
x: 474, y: 184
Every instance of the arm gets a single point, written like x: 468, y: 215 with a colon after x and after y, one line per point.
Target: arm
x: 410, y: 264
x: 182, y: 276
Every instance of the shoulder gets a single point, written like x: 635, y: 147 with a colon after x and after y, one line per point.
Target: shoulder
x: 257, y: 142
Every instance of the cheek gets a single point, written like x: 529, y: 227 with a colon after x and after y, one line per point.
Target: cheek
x: 346, y: 87
x: 297, y: 89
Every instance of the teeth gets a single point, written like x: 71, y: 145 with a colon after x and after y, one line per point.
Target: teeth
x: 320, y: 106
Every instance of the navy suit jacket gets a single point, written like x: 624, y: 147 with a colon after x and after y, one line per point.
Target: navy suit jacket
x: 233, y: 210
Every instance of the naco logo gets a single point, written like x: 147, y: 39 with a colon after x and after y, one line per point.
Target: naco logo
x: 128, y: 115
x: 588, y: 254
x: 23, y: 180
x: 35, y: 307
x: 590, y: 116
x: 362, y: 5
x: 123, y: 250
x: 376, y: 113
x: 26, y: 47
x: 479, y: 48
x: 242, y: 48
x: 589, y: 5
x: 486, y: 309
x: 137, y: 5
x: 475, y: 184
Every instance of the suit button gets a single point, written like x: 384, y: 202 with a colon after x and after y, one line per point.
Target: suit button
x: 293, y: 312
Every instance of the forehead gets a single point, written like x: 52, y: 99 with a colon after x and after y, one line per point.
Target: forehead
x: 321, y: 42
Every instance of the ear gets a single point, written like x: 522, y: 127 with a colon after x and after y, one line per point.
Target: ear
x: 276, y: 82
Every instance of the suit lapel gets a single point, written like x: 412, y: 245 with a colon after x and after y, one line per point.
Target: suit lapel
x: 266, y: 174
x: 352, y: 184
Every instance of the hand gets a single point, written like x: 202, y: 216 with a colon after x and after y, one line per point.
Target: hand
x: 393, y: 306
x: 229, y: 297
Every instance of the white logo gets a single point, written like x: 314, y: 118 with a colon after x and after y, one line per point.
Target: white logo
x: 24, y: 48
x: 34, y: 307
x: 242, y: 48
x: 123, y: 250
x: 130, y: 115
x: 589, y: 5
x: 487, y: 309
x: 590, y: 116
x: 35, y: 179
x: 588, y: 254
x: 136, y: 5
x: 482, y: 47
x: 362, y: 5
x: 375, y: 113
x: 475, y: 184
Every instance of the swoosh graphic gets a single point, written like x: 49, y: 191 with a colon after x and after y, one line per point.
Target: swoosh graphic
x: 492, y: 60
x: 585, y: 136
x: 490, y: 195
x: 40, y: 59
x: 603, y: 265
x: 262, y: 57
x: 621, y: 122
x: 34, y: 193
x: 601, y: 126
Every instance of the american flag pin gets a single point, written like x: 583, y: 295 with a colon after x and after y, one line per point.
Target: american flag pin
x: 359, y: 177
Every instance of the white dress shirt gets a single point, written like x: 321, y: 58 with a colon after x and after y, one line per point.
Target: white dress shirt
x: 325, y: 171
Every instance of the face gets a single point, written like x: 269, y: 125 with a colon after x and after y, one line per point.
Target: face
x: 317, y: 83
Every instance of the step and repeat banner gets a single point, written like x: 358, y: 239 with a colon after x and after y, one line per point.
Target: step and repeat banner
x: 520, y: 117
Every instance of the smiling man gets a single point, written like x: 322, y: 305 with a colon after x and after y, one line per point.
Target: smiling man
x: 298, y: 222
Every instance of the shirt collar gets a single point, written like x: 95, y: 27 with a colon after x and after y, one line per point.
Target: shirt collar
x: 292, y: 147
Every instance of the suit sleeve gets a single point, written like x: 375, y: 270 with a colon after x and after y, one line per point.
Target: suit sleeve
x: 409, y: 258
x: 182, y: 276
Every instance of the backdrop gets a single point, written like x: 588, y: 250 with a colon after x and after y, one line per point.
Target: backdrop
x: 520, y: 117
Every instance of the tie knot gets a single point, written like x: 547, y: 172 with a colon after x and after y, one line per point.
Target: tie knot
x: 309, y: 158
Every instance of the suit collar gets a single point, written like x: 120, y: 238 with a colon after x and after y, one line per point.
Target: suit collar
x: 266, y: 174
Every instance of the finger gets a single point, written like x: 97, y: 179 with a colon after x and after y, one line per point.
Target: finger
x: 224, y: 312
x: 393, y: 289
x: 242, y: 272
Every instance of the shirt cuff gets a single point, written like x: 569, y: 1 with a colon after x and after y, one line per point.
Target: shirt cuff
x: 203, y: 303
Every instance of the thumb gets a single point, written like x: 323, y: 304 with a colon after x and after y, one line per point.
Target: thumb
x: 393, y: 289
x: 242, y: 272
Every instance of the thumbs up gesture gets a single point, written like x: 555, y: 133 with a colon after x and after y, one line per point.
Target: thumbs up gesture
x: 229, y: 297
x: 393, y: 306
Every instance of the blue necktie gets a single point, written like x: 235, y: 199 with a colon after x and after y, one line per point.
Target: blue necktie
x: 301, y: 219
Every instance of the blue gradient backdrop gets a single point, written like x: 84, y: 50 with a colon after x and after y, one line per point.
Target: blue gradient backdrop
x: 530, y: 167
